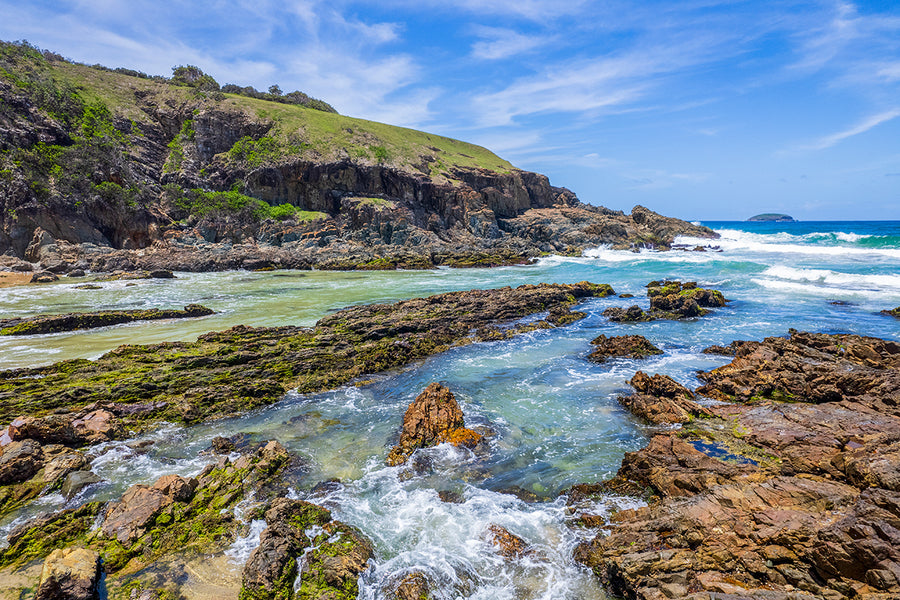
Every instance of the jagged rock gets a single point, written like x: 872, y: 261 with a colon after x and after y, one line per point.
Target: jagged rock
x: 61, y: 465
x: 20, y: 461
x: 77, y: 481
x: 628, y: 346
x: 70, y: 574
x: 451, y: 497
x: 434, y: 417
x: 507, y: 545
x: 632, y: 313
x: 660, y: 399
x: 894, y: 312
x: 129, y: 518
x: 767, y: 498
x: 68, y: 429
x: 332, y: 560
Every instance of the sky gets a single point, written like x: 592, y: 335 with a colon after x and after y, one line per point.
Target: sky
x: 700, y: 109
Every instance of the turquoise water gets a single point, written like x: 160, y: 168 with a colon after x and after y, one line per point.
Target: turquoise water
x: 555, y: 415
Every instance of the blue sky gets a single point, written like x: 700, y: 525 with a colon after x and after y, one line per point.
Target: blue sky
x: 699, y: 109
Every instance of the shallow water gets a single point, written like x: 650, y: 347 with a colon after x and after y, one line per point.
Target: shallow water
x: 555, y: 416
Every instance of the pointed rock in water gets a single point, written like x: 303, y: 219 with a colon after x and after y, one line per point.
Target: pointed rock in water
x: 628, y: 346
x: 894, y: 312
x: 20, y: 461
x: 661, y: 399
x: 433, y: 418
x: 70, y: 574
x: 412, y: 586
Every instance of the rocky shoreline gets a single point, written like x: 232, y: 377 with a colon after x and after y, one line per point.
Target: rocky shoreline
x: 778, y: 479
x: 788, y: 488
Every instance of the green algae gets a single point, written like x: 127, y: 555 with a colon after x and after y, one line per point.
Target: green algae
x: 229, y: 372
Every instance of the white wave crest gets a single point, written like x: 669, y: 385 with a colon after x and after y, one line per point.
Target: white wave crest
x: 835, y: 279
x: 734, y: 241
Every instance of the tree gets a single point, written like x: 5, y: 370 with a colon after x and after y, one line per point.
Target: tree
x: 275, y: 90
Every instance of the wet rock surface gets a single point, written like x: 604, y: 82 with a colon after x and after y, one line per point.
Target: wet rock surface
x: 329, y: 555
x: 74, y: 321
x: 626, y: 346
x: 433, y: 418
x: 670, y: 300
x: 228, y: 372
x: 791, y: 490
x: 170, y: 522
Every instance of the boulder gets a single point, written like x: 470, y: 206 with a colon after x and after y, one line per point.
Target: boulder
x: 433, y: 418
x: 20, y: 461
x: 70, y: 574
x: 130, y: 518
x: 411, y: 586
x: 59, y: 466
x: 44, y: 277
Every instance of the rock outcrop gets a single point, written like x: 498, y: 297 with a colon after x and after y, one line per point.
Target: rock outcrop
x: 627, y: 346
x: 433, y: 418
x: 132, y: 185
x: 670, y: 300
x: 661, y: 400
x: 74, y: 321
x: 790, y: 490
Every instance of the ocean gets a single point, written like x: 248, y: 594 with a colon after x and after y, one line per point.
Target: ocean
x: 556, y: 415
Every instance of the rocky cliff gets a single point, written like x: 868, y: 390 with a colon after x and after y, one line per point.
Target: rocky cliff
x: 103, y: 170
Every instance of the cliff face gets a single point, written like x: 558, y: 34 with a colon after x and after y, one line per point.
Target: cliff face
x: 102, y: 170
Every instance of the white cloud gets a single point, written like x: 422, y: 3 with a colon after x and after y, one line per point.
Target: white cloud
x: 863, y: 126
x: 499, y: 43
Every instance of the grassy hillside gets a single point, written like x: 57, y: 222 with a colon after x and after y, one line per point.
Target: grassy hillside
x: 297, y: 131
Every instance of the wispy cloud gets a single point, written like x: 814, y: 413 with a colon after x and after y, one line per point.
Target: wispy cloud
x: 863, y: 126
x: 499, y: 43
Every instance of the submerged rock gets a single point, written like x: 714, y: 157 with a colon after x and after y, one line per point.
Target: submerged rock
x: 433, y: 418
x: 507, y: 545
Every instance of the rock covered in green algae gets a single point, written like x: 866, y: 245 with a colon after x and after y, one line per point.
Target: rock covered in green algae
x: 176, y: 516
x: 894, y: 312
x: 333, y: 556
x: 74, y: 321
x: 232, y: 371
x: 670, y: 300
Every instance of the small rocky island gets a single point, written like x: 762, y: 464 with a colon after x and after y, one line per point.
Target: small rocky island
x: 772, y: 218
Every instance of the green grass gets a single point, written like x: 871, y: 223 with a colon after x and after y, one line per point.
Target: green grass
x: 298, y: 132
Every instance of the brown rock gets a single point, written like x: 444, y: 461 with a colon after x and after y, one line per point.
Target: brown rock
x: 434, y: 417
x: 61, y: 465
x: 20, y: 461
x: 627, y: 346
x: 412, y: 586
x: 70, y: 574
x: 661, y: 400
x: 97, y: 426
x: 508, y: 545
x: 129, y: 518
x: 179, y: 489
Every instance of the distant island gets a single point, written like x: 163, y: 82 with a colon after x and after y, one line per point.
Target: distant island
x: 773, y: 218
